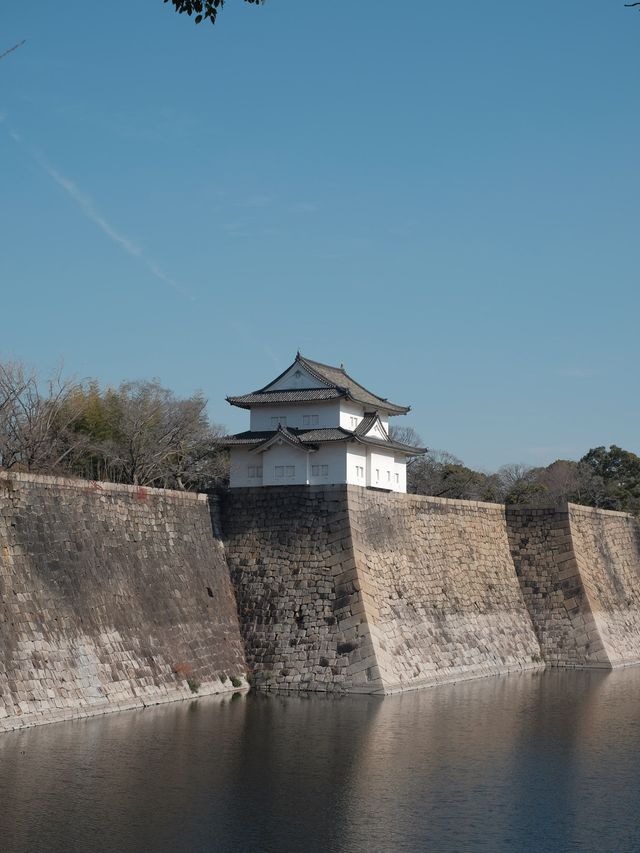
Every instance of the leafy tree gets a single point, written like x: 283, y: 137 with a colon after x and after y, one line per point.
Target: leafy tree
x: 616, y: 475
x: 204, y: 10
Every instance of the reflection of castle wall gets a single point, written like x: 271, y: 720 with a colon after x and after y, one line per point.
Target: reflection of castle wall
x: 121, y: 782
x: 110, y: 597
x: 433, y: 765
x: 539, y: 762
x: 579, y: 569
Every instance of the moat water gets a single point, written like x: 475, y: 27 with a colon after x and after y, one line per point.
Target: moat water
x: 534, y: 762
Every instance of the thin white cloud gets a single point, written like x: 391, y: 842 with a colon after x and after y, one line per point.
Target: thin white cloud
x: 90, y: 211
x: 255, y: 201
x: 87, y: 207
x: 304, y: 207
x: 577, y: 372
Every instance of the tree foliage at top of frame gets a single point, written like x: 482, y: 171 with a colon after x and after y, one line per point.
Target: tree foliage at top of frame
x: 202, y: 9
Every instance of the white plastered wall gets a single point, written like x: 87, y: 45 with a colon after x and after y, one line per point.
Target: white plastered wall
x: 342, y: 460
x: 283, y: 456
x: 401, y: 471
x: 356, y: 458
x: 381, y: 469
x: 241, y: 459
x: 296, y: 377
x: 328, y: 415
x: 334, y: 457
x: 349, y: 410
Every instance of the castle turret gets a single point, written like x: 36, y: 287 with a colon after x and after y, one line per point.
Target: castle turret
x: 313, y: 425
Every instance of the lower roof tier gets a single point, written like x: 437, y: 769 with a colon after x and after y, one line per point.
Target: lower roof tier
x: 312, y: 439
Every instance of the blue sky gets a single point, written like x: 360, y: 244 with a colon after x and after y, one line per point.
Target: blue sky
x: 442, y: 196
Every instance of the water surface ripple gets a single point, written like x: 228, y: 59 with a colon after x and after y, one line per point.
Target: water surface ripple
x: 532, y: 762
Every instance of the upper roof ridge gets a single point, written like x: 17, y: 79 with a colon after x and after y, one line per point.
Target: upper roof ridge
x: 334, y: 379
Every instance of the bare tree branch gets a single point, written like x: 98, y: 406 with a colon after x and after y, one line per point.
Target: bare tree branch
x: 11, y: 49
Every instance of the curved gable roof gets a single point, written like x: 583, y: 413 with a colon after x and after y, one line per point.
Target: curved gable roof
x: 337, y: 383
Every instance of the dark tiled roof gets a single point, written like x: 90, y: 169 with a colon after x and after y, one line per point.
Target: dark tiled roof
x: 369, y: 419
x: 338, y: 384
x: 308, y: 438
x: 325, y: 434
x: 395, y: 445
x: 339, y: 377
x: 300, y: 395
x: 304, y: 436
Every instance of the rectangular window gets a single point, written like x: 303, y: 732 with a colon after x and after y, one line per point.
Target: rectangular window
x: 319, y: 470
x: 388, y: 476
x: 305, y: 420
x: 310, y: 420
x: 279, y: 472
x: 354, y: 422
x: 252, y: 470
x: 314, y: 420
x: 278, y: 420
x: 291, y: 470
x: 324, y: 470
x: 359, y: 471
x: 397, y: 478
x: 377, y: 474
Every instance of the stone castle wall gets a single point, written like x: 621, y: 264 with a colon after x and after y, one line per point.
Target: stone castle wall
x: 110, y: 597
x: 579, y: 569
x: 441, y: 597
x: 607, y: 552
x: 115, y: 597
x: 545, y: 562
x: 347, y: 588
x: 290, y: 554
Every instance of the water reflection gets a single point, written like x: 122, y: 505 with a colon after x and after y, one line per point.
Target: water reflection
x: 534, y: 762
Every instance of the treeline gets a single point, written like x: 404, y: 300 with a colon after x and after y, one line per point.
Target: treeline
x: 608, y: 478
x: 142, y: 434
x: 139, y: 433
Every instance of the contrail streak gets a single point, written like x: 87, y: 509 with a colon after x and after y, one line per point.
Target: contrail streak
x: 90, y: 211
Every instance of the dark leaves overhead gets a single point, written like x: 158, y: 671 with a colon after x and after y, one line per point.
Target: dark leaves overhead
x: 202, y: 9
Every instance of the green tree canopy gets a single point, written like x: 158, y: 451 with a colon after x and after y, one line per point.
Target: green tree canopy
x: 618, y: 472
